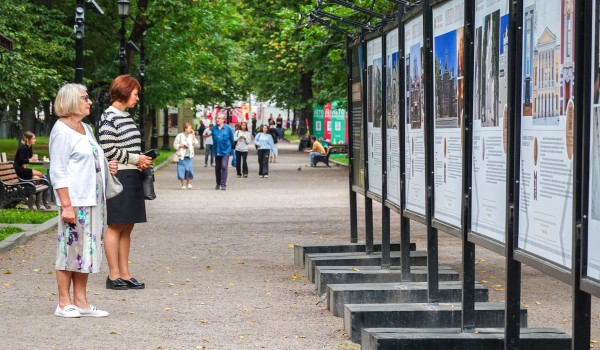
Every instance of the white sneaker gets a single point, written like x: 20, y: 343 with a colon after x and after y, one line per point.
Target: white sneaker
x: 266, y: 175
x: 70, y: 311
x: 183, y: 187
x: 91, y: 312
x: 189, y: 186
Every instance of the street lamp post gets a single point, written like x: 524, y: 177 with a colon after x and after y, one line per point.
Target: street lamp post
x: 79, y: 30
x: 166, y: 145
x: 141, y: 94
x: 123, y: 7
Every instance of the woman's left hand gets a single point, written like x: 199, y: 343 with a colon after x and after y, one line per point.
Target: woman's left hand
x: 113, y: 166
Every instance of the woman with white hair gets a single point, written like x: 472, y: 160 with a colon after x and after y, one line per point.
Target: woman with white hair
x: 78, y: 176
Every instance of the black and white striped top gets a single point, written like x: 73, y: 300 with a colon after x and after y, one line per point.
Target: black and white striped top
x: 119, y: 136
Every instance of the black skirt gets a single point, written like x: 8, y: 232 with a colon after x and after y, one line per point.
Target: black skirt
x: 128, y: 207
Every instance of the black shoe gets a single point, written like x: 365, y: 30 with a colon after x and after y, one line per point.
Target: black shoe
x: 217, y: 187
x: 117, y: 284
x: 223, y: 188
x: 134, y: 284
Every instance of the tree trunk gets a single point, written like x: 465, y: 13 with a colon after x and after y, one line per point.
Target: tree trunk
x: 306, y: 96
x: 28, y: 117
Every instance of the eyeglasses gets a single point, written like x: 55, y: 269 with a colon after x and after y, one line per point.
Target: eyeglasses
x: 86, y: 98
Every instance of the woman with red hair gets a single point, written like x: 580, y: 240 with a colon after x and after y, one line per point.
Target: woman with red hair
x: 121, y: 140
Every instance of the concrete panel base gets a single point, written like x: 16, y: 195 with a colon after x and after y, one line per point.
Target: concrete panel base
x: 417, y: 258
x: 453, y: 339
x: 385, y: 293
x: 325, y: 275
x: 300, y: 250
x: 443, y: 315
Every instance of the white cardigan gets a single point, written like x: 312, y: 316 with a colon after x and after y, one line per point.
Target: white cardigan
x: 73, y: 165
x: 185, y: 139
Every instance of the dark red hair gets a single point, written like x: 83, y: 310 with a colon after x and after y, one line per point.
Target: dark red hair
x: 122, y: 87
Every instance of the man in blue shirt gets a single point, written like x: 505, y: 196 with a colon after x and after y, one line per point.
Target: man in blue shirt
x: 222, y: 135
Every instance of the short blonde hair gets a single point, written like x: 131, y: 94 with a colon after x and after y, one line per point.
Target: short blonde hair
x: 68, y: 100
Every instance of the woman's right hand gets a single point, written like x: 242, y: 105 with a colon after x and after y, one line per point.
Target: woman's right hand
x: 68, y: 215
x: 144, y: 162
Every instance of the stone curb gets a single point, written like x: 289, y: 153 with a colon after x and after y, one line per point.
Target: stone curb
x: 18, y: 238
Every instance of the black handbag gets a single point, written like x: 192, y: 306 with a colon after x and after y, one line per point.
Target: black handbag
x: 148, y: 183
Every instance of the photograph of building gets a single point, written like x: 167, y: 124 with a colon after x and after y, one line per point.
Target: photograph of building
x: 370, y: 94
x: 392, y: 91
x: 445, y: 70
x: 415, y: 87
x: 596, y: 67
x: 528, y: 44
x: 377, y: 93
x: 567, y: 84
x: 503, y: 66
x: 477, y: 75
x: 546, y: 79
x: 595, y: 165
x: 490, y: 49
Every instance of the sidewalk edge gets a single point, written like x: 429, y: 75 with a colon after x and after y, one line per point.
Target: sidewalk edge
x: 18, y: 238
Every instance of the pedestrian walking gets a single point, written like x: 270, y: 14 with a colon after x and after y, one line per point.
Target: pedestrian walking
x: 243, y: 138
x: 121, y: 140
x: 233, y: 157
x: 274, y: 134
x: 78, y: 175
x: 254, y: 121
x: 208, y: 142
x: 264, y: 144
x: 279, y: 126
x: 201, y: 128
x: 184, y: 143
x: 222, y: 141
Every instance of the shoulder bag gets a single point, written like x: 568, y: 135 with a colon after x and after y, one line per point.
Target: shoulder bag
x: 113, y: 185
x: 148, y: 183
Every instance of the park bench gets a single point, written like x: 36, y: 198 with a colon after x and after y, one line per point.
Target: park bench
x: 332, y: 149
x: 14, y: 190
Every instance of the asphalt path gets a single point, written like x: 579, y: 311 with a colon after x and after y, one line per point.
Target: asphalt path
x: 219, y: 269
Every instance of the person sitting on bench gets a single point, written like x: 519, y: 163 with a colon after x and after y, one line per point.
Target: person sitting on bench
x: 317, y: 149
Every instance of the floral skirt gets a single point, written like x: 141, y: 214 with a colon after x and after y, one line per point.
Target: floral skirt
x: 80, y: 245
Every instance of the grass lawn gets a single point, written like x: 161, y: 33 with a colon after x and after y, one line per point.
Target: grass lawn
x: 288, y: 135
x: 25, y: 216
x: 340, y: 158
x: 7, y: 231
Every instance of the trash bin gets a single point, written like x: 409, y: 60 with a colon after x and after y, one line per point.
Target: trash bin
x: 303, y: 143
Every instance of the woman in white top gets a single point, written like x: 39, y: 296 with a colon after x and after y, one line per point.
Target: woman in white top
x: 185, y: 143
x: 78, y: 176
x: 243, y: 138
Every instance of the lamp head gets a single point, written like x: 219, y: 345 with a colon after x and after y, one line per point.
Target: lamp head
x: 123, y: 7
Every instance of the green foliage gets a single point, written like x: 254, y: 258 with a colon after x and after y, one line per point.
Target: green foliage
x: 206, y: 50
x: 22, y: 216
x: 6, y: 231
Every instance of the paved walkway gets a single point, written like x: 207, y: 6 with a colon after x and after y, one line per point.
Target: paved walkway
x: 220, y: 274
x: 217, y: 264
